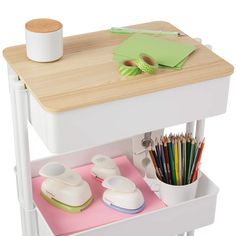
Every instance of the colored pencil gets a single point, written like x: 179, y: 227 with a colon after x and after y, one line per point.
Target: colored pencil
x: 188, y: 150
x: 184, y: 161
x: 180, y: 162
x: 155, y: 153
x: 194, y: 161
x: 198, y: 162
x: 164, y: 162
x: 193, y: 149
x: 172, y: 164
x: 155, y: 164
x: 176, y: 158
x: 159, y: 161
x: 167, y: 163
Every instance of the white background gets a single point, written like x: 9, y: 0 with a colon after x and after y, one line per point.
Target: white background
x: 213, y: 21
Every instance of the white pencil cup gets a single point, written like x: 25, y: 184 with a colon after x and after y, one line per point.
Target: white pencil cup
x: 174, y: 194
x: 44, y: 40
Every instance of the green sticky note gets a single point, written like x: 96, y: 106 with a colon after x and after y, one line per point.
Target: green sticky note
x: 167, y: 53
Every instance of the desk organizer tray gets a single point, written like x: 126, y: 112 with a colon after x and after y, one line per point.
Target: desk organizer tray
x: 100, y: 220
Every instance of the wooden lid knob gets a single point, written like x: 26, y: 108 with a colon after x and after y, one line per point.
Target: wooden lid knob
x: 43, y: 25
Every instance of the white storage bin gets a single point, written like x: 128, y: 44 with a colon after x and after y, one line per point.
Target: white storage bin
x: 108, y: 122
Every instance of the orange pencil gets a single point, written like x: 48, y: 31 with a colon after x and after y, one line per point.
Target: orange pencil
x: 194, y: 177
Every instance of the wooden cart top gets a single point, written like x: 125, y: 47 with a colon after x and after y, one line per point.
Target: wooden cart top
x: 87, y: 75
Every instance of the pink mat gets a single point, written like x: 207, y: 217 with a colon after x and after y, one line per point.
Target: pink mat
x: 97, y: 214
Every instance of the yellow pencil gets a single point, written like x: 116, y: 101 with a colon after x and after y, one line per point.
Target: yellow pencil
x: 176, y: 158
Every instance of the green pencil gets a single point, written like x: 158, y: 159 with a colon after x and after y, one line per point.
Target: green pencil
x: 180, y: 162
x: 193, y: 148
x: 123, y: 30
x: 172, y: 164
x: 184, y: 162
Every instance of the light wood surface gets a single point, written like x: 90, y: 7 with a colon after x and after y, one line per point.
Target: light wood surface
x: 43, y: 25
x: 87, y: 75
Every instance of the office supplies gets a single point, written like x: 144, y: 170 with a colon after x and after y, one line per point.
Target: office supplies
x: 119, y: 58
x: 154, y: 161
x: 171, y: 152
x: 165, y: 52
x: 122, y: 195
x: 197, y: 152
x: 180, y: 162
x: 167, y: 162
x: 124, y: 30
x: 129, y: 68
x: 188, y: 150
x: 176, y: 158
x: 104, y: 167
x: 159, y: 161
x: 98, y: 214
x: 146, y: 64
x: 184, y: 161
x: 64, y: 188
x: 164, y: 162
x: 191, y: 158
x: 195, y: 174
x: 172, y: 164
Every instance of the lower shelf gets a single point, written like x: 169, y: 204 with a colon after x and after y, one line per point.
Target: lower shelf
x: 167, y: 221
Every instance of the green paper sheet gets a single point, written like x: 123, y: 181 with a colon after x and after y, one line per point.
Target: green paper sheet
x: 167, y: 53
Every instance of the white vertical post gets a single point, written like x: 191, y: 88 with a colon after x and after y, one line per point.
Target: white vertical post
x: 200, y: 129
x: 23, y: 170
x: 200, y: 126
x: 190, y: 127
x: 190, y: 130
x: 199, y: 134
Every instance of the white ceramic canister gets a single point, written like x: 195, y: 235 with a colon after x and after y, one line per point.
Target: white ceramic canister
x: 44, y: 40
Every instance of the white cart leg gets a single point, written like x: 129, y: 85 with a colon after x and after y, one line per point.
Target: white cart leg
x: 200, y: 129
x: 199, y: 136
x: 190, y: 127
x: 190, y: 130
x: 23, y: 171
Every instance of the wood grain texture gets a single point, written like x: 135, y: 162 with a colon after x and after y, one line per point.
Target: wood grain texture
x: 87, y: 75
x: 43, y: 25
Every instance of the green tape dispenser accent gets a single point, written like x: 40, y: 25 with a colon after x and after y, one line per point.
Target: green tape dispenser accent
x: 147, y: 64
x: 129, y: 68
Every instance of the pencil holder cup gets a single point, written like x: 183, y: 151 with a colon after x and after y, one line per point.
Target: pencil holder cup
x: 174, y: 194
x: 44, y: 40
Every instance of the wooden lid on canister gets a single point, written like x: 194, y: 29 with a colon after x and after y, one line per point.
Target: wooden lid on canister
x: 43, y: 25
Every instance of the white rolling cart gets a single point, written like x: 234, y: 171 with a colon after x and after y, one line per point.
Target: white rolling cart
x: 80, y: 106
